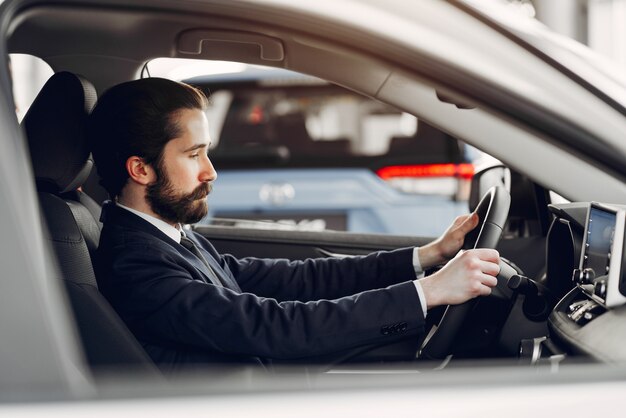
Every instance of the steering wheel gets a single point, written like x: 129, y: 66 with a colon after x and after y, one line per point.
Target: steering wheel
x: 492, y: 211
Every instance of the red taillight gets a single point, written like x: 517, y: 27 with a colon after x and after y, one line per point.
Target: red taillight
x: 464, y: 171
x: 256, y: 115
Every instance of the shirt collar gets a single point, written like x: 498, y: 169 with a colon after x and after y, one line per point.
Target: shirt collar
x: 172, y: 232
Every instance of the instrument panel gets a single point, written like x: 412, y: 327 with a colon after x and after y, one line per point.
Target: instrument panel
x: 601, y: 274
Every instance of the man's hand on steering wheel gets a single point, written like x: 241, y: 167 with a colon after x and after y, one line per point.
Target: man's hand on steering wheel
x: 468, y: 274
x: 479, y: 266
x: 449, y: 243
x: 471, y: 273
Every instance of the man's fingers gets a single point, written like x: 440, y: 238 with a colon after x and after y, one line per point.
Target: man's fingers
x: 484, y: 285
x: 487, y: 254
x: 468, y: 223
x: 460, y: 220
x: 485, y: 291
x: 490, y: 268
x: 489, y: 280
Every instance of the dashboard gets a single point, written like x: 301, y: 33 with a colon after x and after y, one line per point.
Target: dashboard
x: 586, y: 272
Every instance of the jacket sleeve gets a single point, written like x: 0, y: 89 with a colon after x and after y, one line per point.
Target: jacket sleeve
x: 322, y: 278
x: 159, y: 300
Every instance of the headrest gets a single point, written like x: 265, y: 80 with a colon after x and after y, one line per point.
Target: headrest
x: 55, y: 126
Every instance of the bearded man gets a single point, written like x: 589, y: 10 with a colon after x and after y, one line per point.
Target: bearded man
x: 186, y: 303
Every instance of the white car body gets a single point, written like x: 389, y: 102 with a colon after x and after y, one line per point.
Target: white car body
x: 532, y: 115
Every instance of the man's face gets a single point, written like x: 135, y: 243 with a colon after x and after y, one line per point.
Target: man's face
x: 185, y: 175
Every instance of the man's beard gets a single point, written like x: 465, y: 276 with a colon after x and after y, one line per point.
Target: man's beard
x: 176, y: 207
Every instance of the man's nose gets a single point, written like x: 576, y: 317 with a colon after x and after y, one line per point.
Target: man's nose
x: 208, y: 172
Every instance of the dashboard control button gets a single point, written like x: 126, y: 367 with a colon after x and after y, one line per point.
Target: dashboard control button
x: 578, y: 315
x: 576, y: 306
x: 599, y: 289
x: 584, y: 276
x: 588, y: 275
x: 587, y: 316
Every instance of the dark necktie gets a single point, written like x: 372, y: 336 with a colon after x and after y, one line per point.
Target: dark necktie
x: 191, y: 246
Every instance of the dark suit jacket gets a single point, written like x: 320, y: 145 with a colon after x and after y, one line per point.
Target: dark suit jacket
x: 272, y: 308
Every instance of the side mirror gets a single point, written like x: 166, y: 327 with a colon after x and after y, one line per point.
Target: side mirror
x: 486, y: 177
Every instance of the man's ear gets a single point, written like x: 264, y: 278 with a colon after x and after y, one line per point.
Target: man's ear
x: 139, y: 171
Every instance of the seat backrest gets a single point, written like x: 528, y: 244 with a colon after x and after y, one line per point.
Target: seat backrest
x: 55, y: 127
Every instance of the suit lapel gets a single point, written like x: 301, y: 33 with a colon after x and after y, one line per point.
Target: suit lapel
x: 198, y: 257
x: 217, y: 269
x: 197, y: 263
x: 132, y: 221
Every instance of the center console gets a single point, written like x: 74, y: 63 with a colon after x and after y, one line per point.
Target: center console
x: 590, y: 318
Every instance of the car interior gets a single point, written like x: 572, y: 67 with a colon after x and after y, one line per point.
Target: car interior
x: 536, y: 316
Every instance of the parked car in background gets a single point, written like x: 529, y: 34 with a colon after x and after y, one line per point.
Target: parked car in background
x: 298, y: 152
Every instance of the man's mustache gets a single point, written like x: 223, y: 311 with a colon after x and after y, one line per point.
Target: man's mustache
x: 200, y: 192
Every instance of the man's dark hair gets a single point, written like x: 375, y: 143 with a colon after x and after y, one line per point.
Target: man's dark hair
x: 137, y: 118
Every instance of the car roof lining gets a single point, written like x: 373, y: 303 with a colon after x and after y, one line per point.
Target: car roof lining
x: 55, y: 27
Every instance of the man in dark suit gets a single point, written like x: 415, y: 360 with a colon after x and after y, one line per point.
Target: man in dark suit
x: 186, y: 303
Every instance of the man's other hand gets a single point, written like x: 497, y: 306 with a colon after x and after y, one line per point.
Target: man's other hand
x: 471, y: 273
x: 447, y: 245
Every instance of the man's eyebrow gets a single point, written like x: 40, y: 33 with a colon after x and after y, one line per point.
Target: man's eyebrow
x: 196, y: 146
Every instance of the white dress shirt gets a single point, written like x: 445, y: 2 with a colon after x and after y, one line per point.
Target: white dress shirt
x: 172, y: 232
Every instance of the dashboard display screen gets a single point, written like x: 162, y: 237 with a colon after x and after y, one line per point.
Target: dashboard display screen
x: 599, y: 241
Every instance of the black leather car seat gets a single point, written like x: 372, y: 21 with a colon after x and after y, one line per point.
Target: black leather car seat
x: 55, y: 128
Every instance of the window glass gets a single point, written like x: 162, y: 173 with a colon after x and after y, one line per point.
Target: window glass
x: 300, y: 151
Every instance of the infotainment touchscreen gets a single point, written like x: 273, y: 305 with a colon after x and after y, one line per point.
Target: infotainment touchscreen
x: 600, y: 236
x: 601, y: 267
